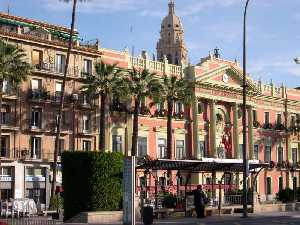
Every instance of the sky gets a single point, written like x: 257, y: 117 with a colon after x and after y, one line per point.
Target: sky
x: 273, y: 28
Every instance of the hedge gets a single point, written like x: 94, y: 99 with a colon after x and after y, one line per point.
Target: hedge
x: 92, y: 181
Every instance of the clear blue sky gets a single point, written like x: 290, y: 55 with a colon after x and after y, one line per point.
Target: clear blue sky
x: 273, y: 28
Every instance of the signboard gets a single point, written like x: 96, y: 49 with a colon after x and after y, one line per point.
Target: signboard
x: 128, y: 191
x: 35, y: 178
x: 6, y: 178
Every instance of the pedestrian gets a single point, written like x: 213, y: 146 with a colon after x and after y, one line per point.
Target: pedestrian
x: 199, y: 201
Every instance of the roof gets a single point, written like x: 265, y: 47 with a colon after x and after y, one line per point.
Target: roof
x: 35, y: 22
x: 204, y: 165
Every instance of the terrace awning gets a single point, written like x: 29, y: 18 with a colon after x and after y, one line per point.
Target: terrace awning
x: 204, y: 165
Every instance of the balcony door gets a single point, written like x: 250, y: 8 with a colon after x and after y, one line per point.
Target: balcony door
x: 5, y: 146
x: 60, y: 63
x: 37, y: 58
x: 35, y: 145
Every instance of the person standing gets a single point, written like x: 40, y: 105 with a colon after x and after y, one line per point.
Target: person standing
x: 199, y: 201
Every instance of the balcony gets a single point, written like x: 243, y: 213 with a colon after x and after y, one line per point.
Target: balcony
x: 39, y: 95
x: 160, y: 113
x: 27, y: 154
x: 51, y: 68
x: 9, y: 91
x: 8, y: 121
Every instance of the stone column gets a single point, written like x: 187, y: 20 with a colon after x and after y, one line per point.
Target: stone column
x: 212, y: 129
x: 235, y: 131
x: 250, y: 132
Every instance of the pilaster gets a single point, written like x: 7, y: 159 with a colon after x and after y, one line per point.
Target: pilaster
x: 250, y: 132
x: 212, y: 129
x: 235, y: 131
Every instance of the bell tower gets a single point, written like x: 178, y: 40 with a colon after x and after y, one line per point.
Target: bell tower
x: 171, y: 42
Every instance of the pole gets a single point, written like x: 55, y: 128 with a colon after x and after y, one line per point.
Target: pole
x: 245, y: 160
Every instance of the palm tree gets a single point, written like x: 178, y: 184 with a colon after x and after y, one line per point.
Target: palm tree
x: 174, y: 89
x: 13, y: 70
x: 140, y: 84
x: 104, y: 83
x: 61, y: 105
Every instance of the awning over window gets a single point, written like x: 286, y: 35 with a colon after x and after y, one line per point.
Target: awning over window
x: 204, y: 165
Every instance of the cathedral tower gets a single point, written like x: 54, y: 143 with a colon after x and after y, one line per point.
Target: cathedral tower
x: 171, y: 42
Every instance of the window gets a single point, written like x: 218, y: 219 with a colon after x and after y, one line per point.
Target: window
x: 202, y: 148
x: 280, y: 183
x: 240, y: 151
x: 279, y: 154
x: 86, y: 145
x: 267, y: 117
x: 180, y: 150
x: 35, y: 144
x: 6, y: 171
x: 87, y: 66
x: 142, y: 146
x: 36, y: 84
x: 278, y: 118
x: 293, y: 120
x: 37, y: 194
x: 254, y: 114
x: 6, y: 194
x: 60, y: 63
x: 267, y: 153
x: 162, y: 148
x: 294, y: 155
x: 61, y: 146
x: 5, y: 146
x: 37, y: 58
x: 269, y: 186
x: 5, y: 114
x: 255, y: 151
x: 86, y: 123
x: 179, y: 107
x: 58, y: 89
x: 200, y: 107
x: 117, y: 143
x: 159, y: 107
x: 36, y: 117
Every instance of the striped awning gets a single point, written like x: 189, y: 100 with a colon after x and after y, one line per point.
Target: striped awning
x: 204, y: 165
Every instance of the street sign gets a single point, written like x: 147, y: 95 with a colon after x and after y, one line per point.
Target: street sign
x: 128, y: 191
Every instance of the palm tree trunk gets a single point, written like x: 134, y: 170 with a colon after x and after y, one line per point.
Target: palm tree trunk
x: 169, y: 128
x: 102, y: 123
x: 61, y: 105
x: 1, y: 93
x: 135, y: 131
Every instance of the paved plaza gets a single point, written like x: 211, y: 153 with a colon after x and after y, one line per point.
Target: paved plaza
x: 278, y: 218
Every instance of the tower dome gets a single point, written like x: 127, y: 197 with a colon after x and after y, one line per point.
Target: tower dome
x: 171, y: 43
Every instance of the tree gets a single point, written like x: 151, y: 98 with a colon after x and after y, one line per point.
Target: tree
x: 13, y: 70
x: 102, y: 84
x: 61, y: 104
x: 174, y: 89
x: 140, y: 84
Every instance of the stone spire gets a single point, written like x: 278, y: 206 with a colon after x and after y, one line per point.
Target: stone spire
x: 171, y: 43
x: 171, y: 7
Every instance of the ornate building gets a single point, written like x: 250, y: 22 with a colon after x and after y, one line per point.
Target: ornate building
x: 171, y: 43
x: 209, y: 130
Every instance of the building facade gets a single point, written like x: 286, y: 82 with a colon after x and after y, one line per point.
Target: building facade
x: 210, y: 128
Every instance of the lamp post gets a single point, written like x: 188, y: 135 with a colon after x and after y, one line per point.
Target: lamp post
x: 292, y: 170
x: 245, y: 160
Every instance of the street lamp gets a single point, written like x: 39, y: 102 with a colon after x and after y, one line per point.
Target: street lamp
x: 294, y: 182
x: 245, y: 160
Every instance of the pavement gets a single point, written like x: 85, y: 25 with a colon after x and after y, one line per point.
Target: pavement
x: 274, y: 218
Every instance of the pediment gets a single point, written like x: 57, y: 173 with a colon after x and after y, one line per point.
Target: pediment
x: 228, y: 77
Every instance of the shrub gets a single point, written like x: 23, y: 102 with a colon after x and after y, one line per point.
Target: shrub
x: 285, y: 195
x: 92, y: 181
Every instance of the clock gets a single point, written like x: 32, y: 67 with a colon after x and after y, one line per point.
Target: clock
x: 225, y: 78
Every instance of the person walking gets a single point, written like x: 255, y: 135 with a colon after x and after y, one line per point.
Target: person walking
x: 199, y: 201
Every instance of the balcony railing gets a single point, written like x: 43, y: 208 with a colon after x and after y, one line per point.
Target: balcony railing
x: 27, y: 154
x: 7, y: 120
x: 39, y: 95
x: 53, y: 68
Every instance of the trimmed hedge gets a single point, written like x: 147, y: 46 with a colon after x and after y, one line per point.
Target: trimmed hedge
x: 92, y: 181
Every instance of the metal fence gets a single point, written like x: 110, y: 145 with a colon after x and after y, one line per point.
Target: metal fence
x: 29, y: 221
